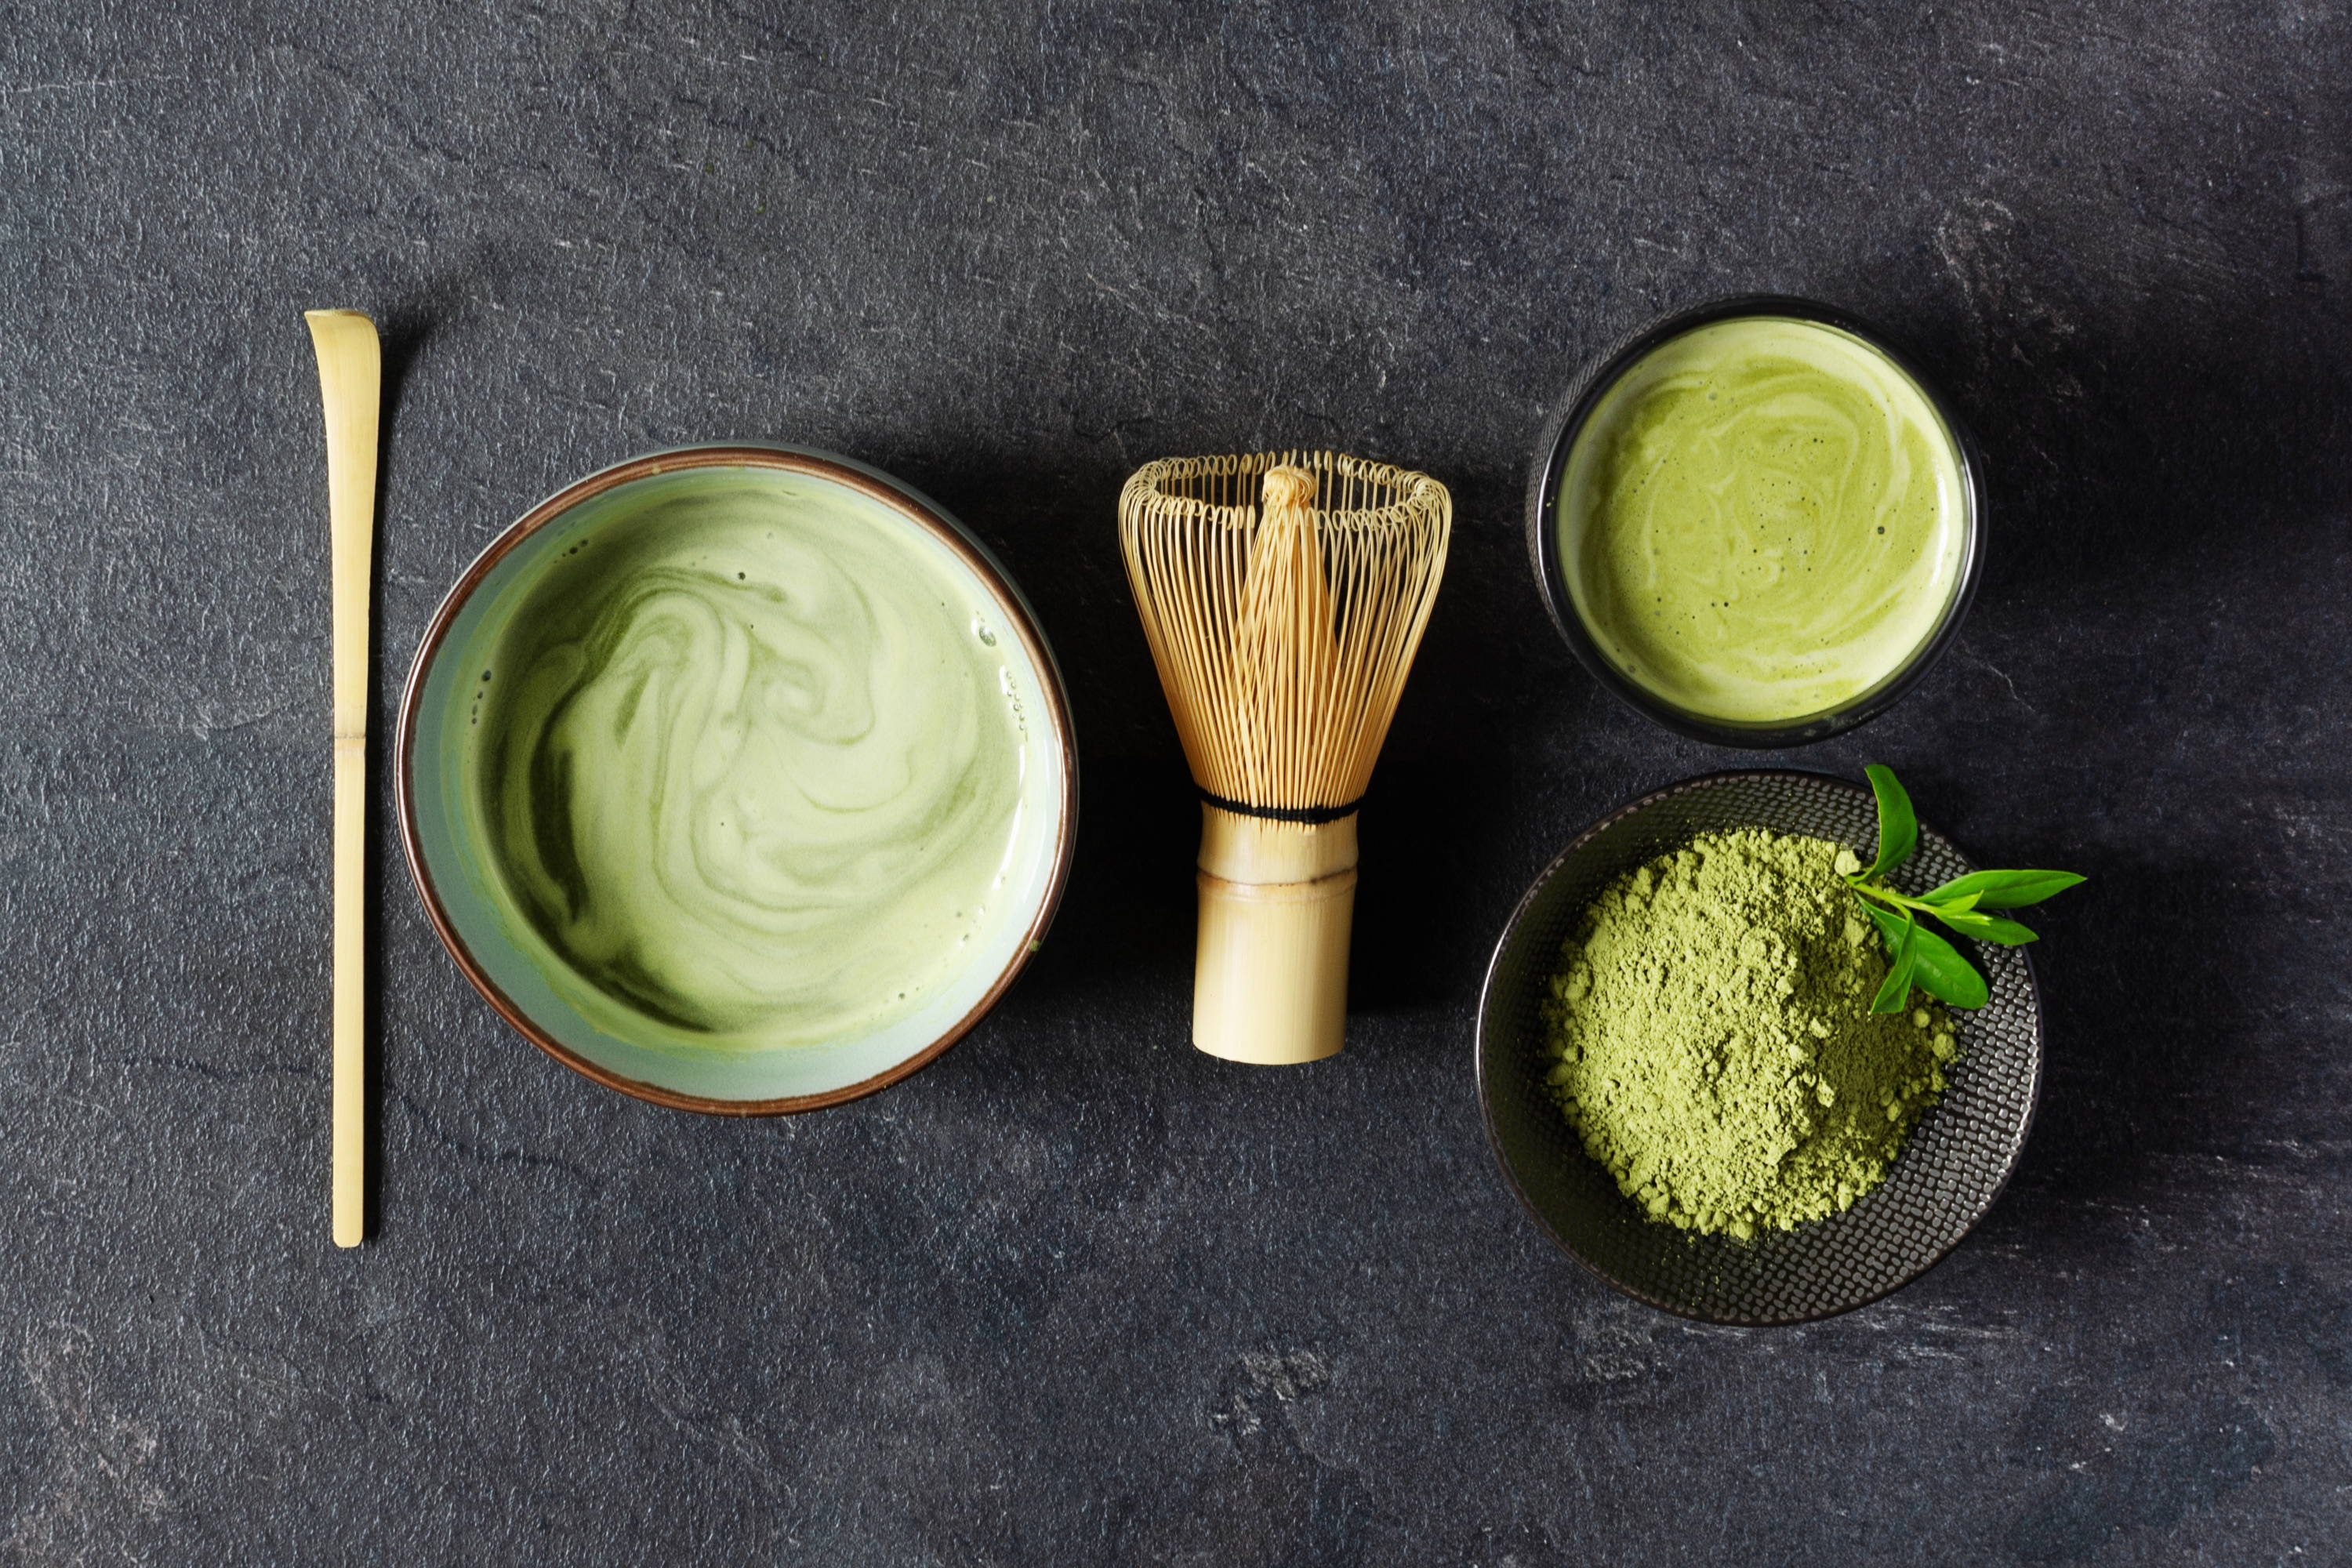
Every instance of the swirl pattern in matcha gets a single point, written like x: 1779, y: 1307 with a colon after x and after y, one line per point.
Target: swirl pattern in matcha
x: 751, y: 763
x: 1761, y: 519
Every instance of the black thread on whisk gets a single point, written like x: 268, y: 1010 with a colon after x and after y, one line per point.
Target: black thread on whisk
x: 1308, y: 814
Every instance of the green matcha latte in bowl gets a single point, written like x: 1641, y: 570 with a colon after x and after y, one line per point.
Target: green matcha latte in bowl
x: 1755, y: 522
x: 738, y: 778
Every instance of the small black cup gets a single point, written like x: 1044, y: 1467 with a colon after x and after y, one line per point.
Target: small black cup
x: 1560, y: 440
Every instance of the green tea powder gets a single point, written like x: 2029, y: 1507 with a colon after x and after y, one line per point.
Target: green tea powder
x: 1716, y: 1051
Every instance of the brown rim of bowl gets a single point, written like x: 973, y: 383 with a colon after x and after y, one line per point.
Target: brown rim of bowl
x: 907, y: 503
x: 1486, y: 1102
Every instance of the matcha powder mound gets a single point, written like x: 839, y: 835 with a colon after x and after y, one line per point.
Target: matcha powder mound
x: 1716, y: 1051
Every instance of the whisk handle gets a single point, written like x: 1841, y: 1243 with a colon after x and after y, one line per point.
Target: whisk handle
x: 1277, y: 902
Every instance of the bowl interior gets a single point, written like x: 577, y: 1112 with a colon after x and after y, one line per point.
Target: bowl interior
x: 450, y: 840
x: 1949, y: 1174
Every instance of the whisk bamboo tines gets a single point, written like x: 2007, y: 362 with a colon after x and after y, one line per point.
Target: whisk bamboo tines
x: 1283, y: 632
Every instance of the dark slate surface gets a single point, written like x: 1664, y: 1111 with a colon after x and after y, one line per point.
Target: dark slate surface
x: 1076, y: 1294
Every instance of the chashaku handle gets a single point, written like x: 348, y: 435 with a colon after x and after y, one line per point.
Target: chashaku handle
x: 350, y: 386
x: 1277, y: 904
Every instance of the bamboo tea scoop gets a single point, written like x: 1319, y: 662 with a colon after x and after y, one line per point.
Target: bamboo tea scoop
x: 1283, y: 632
x: 350, y: 382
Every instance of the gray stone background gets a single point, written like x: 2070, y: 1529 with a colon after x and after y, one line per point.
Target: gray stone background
x: 1076, y: 1294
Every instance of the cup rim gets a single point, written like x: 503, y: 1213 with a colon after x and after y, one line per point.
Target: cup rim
x: 1609, y: 818
x: 875, y: 484
x: 1567, y: 423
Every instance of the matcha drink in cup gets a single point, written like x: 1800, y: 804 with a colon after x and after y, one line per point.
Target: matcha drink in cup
x: 738, y: 778
x: 1756, y: 523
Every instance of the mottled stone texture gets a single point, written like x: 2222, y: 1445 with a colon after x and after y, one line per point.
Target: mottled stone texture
x: 1076, y: 1294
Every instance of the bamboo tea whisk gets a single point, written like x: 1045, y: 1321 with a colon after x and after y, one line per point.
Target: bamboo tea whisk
x: 1283, y: 631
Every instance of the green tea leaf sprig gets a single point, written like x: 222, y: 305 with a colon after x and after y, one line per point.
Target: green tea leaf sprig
x: 1917, y: 956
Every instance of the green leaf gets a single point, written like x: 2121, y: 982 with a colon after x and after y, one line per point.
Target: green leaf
x: 1899, y: 826
x: 1895, y: 928
x: 2006, y: 889
x: 1894, y: 991
x: 1942, y: 972
x: 1965, y: 901
x: 1986, y: 928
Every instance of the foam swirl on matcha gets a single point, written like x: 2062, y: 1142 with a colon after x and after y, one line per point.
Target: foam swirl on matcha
x: 1762, y: 518
x: 753, y: 769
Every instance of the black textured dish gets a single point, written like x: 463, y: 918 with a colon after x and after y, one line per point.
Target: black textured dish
x: 1543, y: 538
x: 1954, y: 1165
